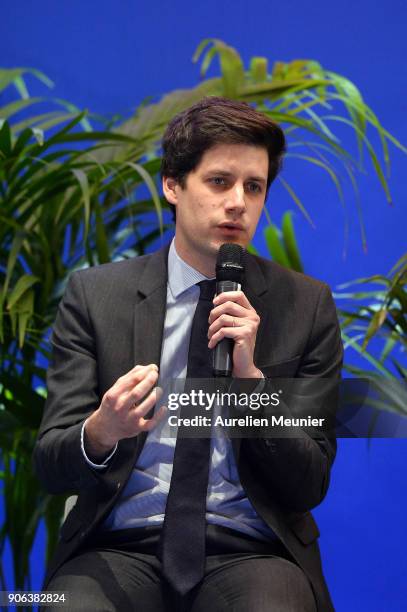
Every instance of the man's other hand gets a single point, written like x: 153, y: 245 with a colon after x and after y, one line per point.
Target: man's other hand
x: 122, y: 411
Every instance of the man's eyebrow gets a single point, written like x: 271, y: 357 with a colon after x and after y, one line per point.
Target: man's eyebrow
x: 219, y: 172
x: 259, y: 179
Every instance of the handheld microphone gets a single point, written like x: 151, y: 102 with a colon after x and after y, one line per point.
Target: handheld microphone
x: 229, y: 276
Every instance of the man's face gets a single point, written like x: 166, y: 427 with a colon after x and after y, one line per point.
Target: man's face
x: 221, y: 202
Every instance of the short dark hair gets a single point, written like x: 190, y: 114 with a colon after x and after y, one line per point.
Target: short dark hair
x: 212, y: 121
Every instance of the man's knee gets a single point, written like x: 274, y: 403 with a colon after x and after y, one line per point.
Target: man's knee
x: 81, y: 594
x: 291, y: 591
x: 256, y: 585
x: 107, y: 581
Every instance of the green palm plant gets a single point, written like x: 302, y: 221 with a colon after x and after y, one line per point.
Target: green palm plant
x: 306, y: 99
x: 373, y: 320
x: 281, y: 244
x: 60, y: 209
x: 377, y: 313
x: 73, y: 196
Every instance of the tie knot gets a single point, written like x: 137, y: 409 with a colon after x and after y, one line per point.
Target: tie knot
x: 208, y: 289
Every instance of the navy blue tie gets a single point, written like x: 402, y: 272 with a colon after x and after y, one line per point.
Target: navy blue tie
x: 183, y: 534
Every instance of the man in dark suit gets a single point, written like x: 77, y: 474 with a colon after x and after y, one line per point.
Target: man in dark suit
x: 119, y: 327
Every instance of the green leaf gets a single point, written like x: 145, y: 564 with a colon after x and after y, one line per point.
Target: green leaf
x: 377, y: 321
x: 21, y: 142
x: 324, y: 166
x: 25, y: 309
x: 24, y: 283
x: 388, y: 347
x: 38, y: 135
x: 290, y: 242
x: 15, y: 107
x: 352, y: 342
x: 373, y: 156
x: 230, y: 63
x: 275, y: 247
x: 102, y: 245
x: 252, y: 249
x: 74, y: 110
x: 402, y: 372
x: 9, y: 76
x: 5, y: 140
x: 12, y: 258
x: 152, y: 188
x: 258, y: 69
x: 352, y: 98
x: 401, y: 263
x: 84, y: 186
x: 296, y: 200
x: 308, y: 126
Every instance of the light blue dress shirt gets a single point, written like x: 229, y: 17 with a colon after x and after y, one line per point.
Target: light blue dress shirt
x: 144, y: 497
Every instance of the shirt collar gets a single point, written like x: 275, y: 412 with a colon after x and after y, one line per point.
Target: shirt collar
x: 181, y: 276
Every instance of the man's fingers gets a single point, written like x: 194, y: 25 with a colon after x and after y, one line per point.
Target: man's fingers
x: 148, y: 424
x: 129, y: 400
x: 224, y: 332
x: 138, y: 368
x: 140, y: 378
x: 135, y: 376
x: 142, y: 408
x: 233, y: 296
x: 240, y: 330
x: 230, y: 308
x: 140, y: 390
x: 227, y: 320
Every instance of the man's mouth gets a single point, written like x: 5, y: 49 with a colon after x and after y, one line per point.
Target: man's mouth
x: 231, y: 227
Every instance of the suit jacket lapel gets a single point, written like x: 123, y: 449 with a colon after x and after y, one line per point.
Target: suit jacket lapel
x: 149, y: 312
x: 149, y: 316
x: 254, y: 286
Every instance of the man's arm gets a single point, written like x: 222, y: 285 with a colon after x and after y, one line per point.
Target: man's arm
x: 73, y: 397
x: 297, y: 470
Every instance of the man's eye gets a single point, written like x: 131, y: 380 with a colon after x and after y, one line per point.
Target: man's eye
x: 254, y: 187
x: 218, y: 180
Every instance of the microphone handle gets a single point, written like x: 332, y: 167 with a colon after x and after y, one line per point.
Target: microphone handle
x: 223, y: 352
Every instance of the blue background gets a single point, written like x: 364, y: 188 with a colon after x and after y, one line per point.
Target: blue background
x: 109, y: 56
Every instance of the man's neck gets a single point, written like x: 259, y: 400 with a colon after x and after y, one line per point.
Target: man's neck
x: 203, y: 264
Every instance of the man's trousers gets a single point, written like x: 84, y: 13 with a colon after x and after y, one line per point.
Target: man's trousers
x: 119, y: 571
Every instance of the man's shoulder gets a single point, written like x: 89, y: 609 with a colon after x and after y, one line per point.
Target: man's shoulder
x: 114, y: 269
x: 286, y: 278
x: 125, y: 270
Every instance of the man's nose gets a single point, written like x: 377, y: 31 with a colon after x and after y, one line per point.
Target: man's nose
x: 236, y: 199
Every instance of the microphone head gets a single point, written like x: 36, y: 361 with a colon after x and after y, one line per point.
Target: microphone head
x: 230, y: 263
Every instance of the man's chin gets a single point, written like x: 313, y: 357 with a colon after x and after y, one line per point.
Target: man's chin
x: 216, y: 244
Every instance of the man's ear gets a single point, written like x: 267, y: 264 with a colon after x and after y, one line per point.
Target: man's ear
x: 170, y: 190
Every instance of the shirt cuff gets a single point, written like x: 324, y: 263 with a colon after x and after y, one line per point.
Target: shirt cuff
x: 97, y: 466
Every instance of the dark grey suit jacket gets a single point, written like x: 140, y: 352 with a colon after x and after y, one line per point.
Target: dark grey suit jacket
x: 110, y: 319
